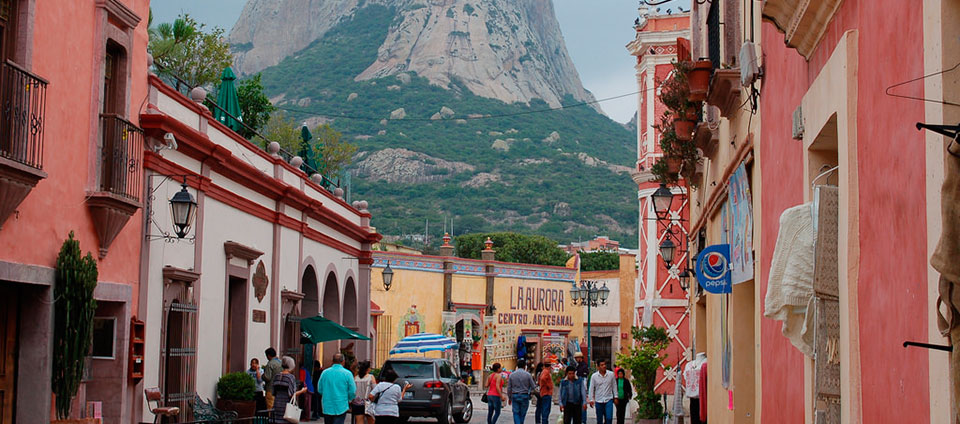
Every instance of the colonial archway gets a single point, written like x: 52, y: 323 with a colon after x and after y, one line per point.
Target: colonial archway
x: 310, y: 305
x: 331, y: 310
x: 351, y: 305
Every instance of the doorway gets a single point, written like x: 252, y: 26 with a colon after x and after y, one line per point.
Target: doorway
x: 9, y: 311
x: 236, y: 324
x: 602, y: 348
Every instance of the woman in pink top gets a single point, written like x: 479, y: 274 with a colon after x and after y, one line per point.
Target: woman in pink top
x: 495, y: 396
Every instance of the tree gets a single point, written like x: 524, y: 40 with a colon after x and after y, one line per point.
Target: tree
x: 513, y: 247
x: 643, y: 361
x: 255, y: 106
x: 599, y: 261
x: 329, y: 150
x: 183, y: 49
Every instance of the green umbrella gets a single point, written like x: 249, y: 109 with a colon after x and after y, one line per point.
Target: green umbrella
x: 319, y: 329
x: 306, y: 149
x: 228, y: 101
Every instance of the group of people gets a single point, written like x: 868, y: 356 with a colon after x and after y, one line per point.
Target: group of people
x: 605, y: 392
x: 336, y: 391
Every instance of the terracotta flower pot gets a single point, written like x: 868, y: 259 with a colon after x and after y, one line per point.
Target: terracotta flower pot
x: 673, y: 164
x: 699, y: 80
x: 684, y: 129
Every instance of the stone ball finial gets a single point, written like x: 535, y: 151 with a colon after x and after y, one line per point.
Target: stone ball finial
x: 338, y: 192
x: 149, y: 60
x: 363, y: 205
x: 355, y: 204
x: 198, y: 94
x: 273, y: 148
x: 317, y: 178
x: 296, y: 161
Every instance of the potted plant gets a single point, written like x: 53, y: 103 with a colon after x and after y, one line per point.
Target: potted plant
x: 643, y: 361
x: 235, y: 392
x: 699, y: 78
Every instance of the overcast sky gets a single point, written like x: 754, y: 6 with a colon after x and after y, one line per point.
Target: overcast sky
x: 595, y: 32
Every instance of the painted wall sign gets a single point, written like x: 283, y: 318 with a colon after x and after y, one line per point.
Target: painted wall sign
x: 536, y: 306
x: 713, y: 269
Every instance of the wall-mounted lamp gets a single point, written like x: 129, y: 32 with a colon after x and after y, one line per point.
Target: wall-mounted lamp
x: 387, y: 277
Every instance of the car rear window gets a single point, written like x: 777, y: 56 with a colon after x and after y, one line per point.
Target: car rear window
x: 411, y: 369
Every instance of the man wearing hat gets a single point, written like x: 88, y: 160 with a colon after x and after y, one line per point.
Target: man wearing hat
x: 582, y: 371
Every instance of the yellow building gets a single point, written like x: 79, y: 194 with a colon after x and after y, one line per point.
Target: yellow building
x: 491, y: 303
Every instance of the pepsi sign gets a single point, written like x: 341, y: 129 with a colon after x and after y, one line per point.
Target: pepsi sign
x: 713, y: 269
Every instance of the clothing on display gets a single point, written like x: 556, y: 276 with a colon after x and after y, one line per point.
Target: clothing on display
x: 691, y: 376
x: 522, y: 347
x: 703, y: 391
x: 790, y: 285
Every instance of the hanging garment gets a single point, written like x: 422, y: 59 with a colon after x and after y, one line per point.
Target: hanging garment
x: 790, y: 285
x: 945, y: 261
x: 691, y: 379
x: 522, y: 347
x: 703, y: 391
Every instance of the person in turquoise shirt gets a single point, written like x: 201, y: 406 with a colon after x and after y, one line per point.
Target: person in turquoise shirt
x: 336, y: 389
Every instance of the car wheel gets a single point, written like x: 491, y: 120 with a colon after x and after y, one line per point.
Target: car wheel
x: 446, y: 413
x: 467, y: 414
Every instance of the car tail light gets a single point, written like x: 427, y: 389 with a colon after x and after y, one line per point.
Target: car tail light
x: 433, y: 385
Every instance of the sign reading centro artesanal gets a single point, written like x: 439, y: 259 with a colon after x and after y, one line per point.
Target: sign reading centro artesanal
x: 539, y: 306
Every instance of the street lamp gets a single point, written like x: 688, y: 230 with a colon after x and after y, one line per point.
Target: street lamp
x: 662, y: 199
x: 589, y: 294
x: 183, y: 207
x: 685, y: 279
x: 667, y: 250
x: 387, y: 277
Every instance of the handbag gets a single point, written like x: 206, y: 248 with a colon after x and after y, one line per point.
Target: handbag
x: 483, y: 398
x: 292, y: 413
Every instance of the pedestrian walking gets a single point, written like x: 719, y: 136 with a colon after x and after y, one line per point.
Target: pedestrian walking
x: 337, y: 388
x: 386, y: 397
x: 520, y: 385
x: 536, y: 393
x: 545, y: 381
x: 601, y: 391
x: 359, y: 408
x: 271, y: 370
x: 623, y: 395
x: 317, y: 409
x: 257, y: 374
x: 583, y: 371
x: 495, y: 394
x: 306, y: 401
x: 573, y: 397
x: 284, y: 389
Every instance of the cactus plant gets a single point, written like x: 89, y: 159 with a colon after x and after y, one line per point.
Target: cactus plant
x: 76, y: 278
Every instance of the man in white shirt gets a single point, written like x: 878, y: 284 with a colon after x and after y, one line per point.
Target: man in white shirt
x: 602, y: 385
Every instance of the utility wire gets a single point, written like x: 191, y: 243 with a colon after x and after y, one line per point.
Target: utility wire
x: 503, y: 115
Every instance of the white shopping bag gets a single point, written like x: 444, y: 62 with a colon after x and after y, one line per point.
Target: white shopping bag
x: 292, y: 413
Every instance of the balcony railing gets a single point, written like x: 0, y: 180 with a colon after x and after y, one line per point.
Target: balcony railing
x: 120, y: 157
x: 23, y: 96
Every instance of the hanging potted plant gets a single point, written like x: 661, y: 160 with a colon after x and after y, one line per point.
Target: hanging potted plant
x: 643, y: 361
x: 699, y: 78
x: 675, y: 95
x: 235, y: 392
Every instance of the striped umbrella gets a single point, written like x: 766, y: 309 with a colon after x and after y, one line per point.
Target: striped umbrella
x: 423, y: 342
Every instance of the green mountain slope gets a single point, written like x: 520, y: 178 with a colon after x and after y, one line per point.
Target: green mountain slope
x: 556, y: 173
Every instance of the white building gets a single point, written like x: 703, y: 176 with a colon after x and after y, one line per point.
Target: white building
x: 267, y: 247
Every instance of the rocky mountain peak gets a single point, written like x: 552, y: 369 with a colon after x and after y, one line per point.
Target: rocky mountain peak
x: 510, y: 50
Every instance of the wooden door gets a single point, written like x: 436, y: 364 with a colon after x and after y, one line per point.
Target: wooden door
x: 8, y: 352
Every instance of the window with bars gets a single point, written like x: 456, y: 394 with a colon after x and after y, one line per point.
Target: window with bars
x: 713, y: 34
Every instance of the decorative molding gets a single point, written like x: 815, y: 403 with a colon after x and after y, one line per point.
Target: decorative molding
x: 237, y: 250
x: 725, y: 91
x: 260, y: 282
x: 803, y: 23
x: 16, y: 182
x: 171, y: 273
x: 291, y: 296
x: 110, y: 214
x: 120, y: 13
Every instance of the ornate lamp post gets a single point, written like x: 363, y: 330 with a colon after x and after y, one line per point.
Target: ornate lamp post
x: 387, y: 277
x: 589, y: 294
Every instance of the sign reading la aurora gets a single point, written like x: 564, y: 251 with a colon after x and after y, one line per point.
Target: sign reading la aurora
x: 536, y: 306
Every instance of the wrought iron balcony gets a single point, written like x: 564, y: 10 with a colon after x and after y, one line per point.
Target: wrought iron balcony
x: 121, y: 157
x: 21, y: 123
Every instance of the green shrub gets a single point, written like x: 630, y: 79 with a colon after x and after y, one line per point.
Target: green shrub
x: 236, y: 386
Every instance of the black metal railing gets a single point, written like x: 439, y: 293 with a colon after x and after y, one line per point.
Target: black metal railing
x: 121, y: 156
x: 24, y: 97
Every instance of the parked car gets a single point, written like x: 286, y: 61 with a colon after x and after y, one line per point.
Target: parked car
x: 437, y: 391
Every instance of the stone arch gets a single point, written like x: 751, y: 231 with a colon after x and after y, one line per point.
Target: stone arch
x: 332, y: 311
x: 351, y: 305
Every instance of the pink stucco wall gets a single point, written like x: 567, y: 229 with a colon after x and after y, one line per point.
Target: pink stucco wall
x: 66, y: 50
x: 892, y: 267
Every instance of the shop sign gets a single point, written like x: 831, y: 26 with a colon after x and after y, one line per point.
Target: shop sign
x: 713, y: 269
x: 536, y: 306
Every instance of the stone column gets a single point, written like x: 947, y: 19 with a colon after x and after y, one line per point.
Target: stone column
x: 363, y: 350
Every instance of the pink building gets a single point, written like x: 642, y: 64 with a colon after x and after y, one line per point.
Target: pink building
x: 660, y: 300
x: 70, y: 160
